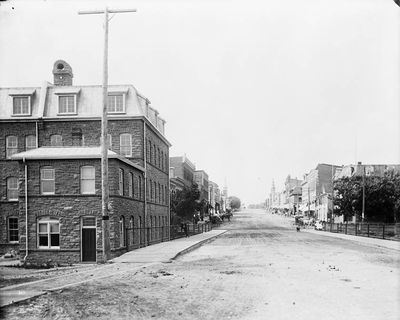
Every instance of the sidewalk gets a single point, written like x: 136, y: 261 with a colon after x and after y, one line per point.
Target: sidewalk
x: 389, y: 244
x: 136, y: 259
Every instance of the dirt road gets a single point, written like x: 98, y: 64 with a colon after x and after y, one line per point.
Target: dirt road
x: 261, y: 269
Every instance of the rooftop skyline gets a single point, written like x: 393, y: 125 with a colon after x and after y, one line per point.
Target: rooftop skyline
x: 250, y: 90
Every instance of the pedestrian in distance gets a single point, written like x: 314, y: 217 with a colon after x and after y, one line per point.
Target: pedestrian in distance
x: 186, y: 230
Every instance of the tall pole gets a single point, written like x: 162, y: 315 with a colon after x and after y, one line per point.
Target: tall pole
x: 104, y: 150
x: 333, y: 194
x: 363, y: 195
x: 104, y: 141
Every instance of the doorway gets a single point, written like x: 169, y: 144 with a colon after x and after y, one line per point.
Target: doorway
x: 89, y: 239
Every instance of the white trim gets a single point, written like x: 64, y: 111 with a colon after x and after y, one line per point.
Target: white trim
x: 117, y: 94
x: 29, y: 113
x: 48, y: 221
x: 75, y: 105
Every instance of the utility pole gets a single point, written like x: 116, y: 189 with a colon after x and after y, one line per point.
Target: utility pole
x: 104, y: 130
x: 333, y: 195
x: 363, y: 195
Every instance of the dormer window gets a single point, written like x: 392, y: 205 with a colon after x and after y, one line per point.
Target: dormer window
x: 116, y: 103
x: 67, y: 104
x: 22, y: 106
x: 67, y: 100
x: 22, y: 101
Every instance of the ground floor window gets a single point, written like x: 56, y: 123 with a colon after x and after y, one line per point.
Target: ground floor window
x: 122, y: 232
x: 49, y: 234
x: 13, y: 229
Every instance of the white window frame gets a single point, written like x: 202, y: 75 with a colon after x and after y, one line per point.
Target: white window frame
x: 28, y: 142
x: 48, y: 223
x: 42, y: 180
x: 88, y: 178
x: 113, y: 97
x: 56, y: 145
x: 13, y: 149
x: 122, y: 147
x: 121, y: 182
x: 9, y: 229
x: 11, y: 190
x: 71, y: 95
x: 28, y: 97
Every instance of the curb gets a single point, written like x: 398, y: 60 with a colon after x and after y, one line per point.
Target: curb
x: 383, y: 243
x: 196, y: 245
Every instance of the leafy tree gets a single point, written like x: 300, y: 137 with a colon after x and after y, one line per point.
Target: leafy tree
x: 234, y: 202
x: 186, y: 202
x: 382, y: 197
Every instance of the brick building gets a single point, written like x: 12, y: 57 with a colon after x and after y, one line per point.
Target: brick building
x: 50, y: 133
x: 183, y: 168
x: 316, y: 183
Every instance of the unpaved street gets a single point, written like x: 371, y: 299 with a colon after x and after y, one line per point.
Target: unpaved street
x: 260, y: 269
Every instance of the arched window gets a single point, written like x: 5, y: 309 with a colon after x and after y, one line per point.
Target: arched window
x: 30, y: 142
x: 56, y: 140
x: 121, y: 182
x: 11, y: 146
x: 77, y: 137
x: 151, y: 153
x: 122, y: 231
x: 130, y: 184
x: 151, y: 189
x: 12, y: 189
x: 140, y: 187
x: 132, y: 230
x: 159, y: 192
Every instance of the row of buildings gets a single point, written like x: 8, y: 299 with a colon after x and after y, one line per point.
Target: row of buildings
x: 183, y: 174
x: 312, y: 195
x: 50, y: 171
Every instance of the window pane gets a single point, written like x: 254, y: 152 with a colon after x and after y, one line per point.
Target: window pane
x: 89, y: 222
x: 12, y: 142
x: 48, y: 186
x: 43, y: 240
x: 42, y: 227
x: 56, y: 140
x: 30, y: 142
x: 87, y: 172
x: 54, y: 227
x: 66, y: 104
x: 21, y: 105
x: 54, y: 240
x: 13, y: 223
x: 13, y: 235
x: 12, y: 183
x: 48, y: 174
x: 88, y: 186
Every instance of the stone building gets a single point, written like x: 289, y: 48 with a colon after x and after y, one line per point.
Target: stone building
x: 48, y: 137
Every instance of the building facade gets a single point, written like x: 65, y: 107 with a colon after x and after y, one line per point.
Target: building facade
x: 183, y: 168
x: 62, y: 116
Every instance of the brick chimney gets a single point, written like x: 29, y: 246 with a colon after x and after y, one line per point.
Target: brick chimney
x: 62, y: 72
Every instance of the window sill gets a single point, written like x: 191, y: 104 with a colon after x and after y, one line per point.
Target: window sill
x: 50, y: 249
x: 22, y: 115
x: 68, y: 114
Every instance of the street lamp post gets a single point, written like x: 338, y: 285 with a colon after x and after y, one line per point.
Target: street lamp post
x: 104, y: 131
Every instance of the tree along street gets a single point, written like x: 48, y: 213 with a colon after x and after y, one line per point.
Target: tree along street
x: 260, y: 269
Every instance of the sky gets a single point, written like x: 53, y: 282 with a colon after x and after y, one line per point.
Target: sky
x: 252, y: 91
